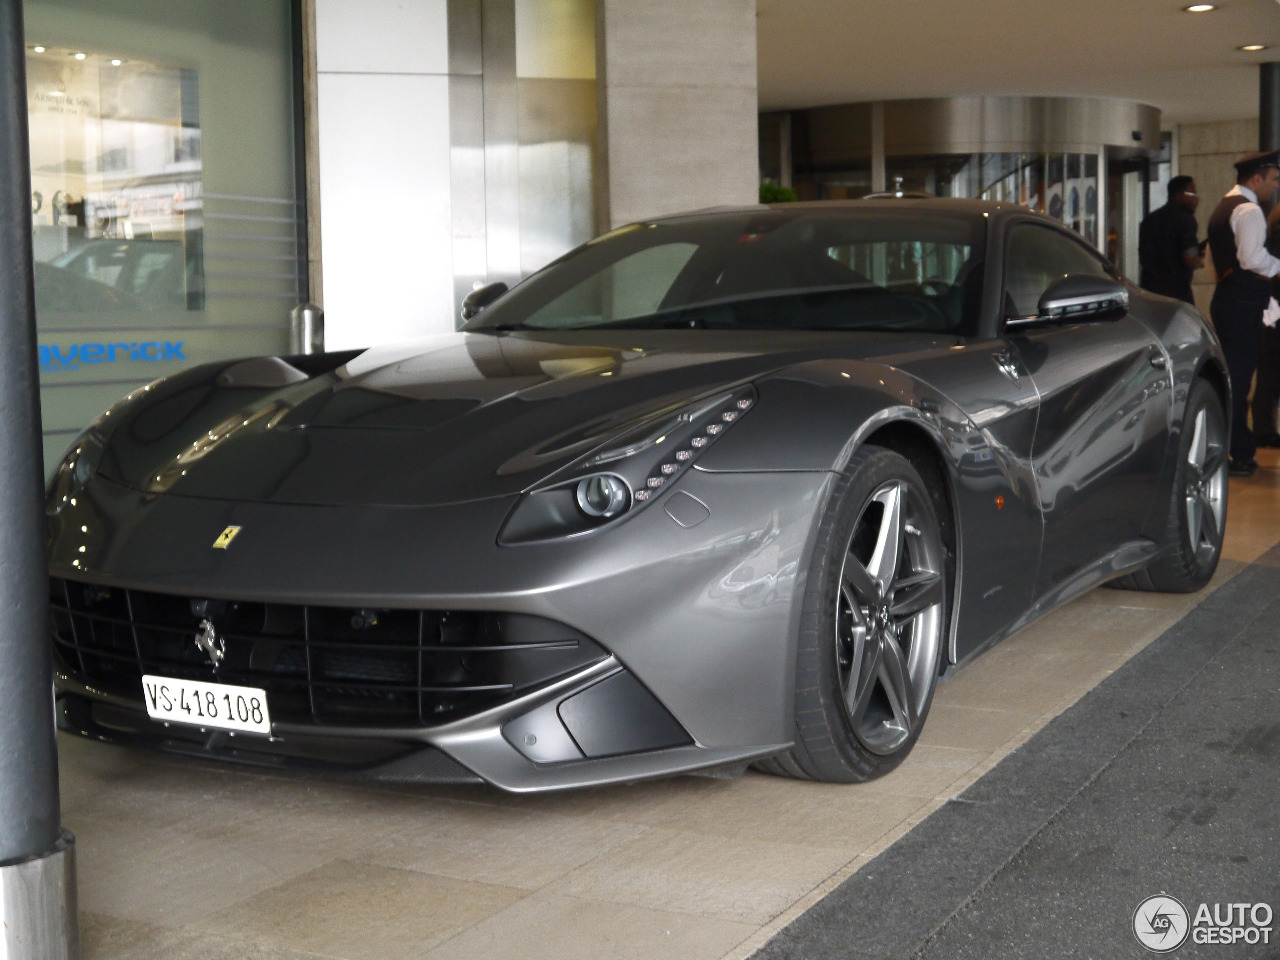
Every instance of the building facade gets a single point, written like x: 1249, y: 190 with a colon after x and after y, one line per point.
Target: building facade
x: 201, y: 169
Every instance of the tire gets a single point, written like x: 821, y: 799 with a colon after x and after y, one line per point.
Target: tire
x: 1198, y: 505
x: 873, y: 625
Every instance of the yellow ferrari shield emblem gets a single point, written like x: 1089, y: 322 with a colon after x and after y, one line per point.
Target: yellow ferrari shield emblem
x: 225, y: 538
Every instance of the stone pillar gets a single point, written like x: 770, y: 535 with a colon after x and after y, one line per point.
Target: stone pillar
x: 677, y: 107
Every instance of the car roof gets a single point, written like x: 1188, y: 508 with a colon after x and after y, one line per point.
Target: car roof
x: 944, y: 205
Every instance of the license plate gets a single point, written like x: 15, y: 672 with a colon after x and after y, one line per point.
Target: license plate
x: 219, y: 705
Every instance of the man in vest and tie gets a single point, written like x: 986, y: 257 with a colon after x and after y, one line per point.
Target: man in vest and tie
x: 1237, y: 238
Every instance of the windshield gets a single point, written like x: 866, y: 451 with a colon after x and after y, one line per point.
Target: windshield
x: 816, y: 269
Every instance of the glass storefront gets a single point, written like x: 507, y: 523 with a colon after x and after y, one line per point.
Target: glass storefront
x: 1062, y: 185
x: 165, y: 218
x: 1080, y: 160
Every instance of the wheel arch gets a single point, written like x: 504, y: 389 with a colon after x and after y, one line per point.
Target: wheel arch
x: 817, y: 416
x: 1212, y: 371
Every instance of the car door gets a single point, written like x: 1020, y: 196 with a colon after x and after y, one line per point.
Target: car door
x: 996, y: 495
x: 996, y: 498
x: 1105, y: 397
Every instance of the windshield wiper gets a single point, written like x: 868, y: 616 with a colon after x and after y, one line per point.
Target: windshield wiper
x: 507, y: 327
x: 665, y: 320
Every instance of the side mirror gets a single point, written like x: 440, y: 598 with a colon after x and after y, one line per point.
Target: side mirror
x: 1078, y: 297
x: 481, y: 297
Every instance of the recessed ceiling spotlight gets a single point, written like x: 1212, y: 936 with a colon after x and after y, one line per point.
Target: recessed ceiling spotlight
x: 38, y: 49
x: 116, y: 63
x: 1201, y: 7
x: 79, y: 56
x: 1253, y: 47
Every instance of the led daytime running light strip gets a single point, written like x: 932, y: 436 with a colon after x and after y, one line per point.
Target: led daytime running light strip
x: 682, y: 458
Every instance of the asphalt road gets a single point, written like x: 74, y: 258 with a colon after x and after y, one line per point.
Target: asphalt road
x: 1165, y: 779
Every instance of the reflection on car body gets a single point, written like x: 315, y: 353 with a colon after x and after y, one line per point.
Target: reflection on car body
x: 61, y: 291
x: 155, y: 274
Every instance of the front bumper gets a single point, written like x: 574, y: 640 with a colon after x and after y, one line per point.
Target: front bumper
x: 478, y: 750
x: 701, y: 617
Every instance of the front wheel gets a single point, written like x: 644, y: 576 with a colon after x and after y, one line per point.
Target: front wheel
x: 873, y: 625
x: 1198, y: 511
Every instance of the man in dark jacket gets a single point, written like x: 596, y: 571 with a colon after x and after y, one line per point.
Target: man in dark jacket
x: 1167, y: 247
x: 1237, y: 240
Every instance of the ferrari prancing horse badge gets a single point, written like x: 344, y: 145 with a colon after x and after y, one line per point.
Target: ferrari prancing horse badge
x: 225, y: 538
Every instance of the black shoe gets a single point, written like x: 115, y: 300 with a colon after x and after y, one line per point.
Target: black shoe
x: 1243, y: 468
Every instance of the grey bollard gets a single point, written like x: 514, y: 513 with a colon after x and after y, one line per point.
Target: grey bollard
x: 306, y: 329
x: 38, y: 906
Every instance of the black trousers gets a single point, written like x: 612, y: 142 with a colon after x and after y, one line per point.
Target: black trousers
x: 1237, y: 316
x: 1267, y: 393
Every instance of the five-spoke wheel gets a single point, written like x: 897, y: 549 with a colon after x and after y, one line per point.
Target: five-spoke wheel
x: 1205, y: 487
x: 1197, y: 514
x: 873, y: 624
x: 889, y: 618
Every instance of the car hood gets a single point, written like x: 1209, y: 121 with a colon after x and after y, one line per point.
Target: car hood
x: 447, y: 419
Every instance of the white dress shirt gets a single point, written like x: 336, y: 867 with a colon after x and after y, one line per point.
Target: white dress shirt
x: 1249, y: 224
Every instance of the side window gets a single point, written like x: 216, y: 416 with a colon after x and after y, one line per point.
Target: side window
x: 1036, y: 256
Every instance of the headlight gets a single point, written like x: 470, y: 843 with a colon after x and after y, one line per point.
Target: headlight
x: 84, y: 455
x: 75, y: 470
x: 603, y: 496
x: 633, y: 469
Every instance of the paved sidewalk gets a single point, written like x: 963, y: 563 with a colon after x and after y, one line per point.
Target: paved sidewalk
x: 1164, y: 779
x: 183, y: 860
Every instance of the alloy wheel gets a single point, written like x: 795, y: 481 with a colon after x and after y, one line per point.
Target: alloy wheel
x: 889, y: 618
x: 1206, y: 475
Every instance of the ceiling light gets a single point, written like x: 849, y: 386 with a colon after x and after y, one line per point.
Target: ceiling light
x: 1253, y: 47
x: 1200, y: 8
x: 116, y: 63
x: 38, y: 49
x: 79, y: 56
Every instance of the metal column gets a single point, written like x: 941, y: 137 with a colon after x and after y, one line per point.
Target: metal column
x: 878, y: 176
x: 37, y: 860
x: 1269, y: 106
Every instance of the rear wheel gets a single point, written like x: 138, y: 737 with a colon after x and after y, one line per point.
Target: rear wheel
x: 873, y: 625
x: 1198, y: 511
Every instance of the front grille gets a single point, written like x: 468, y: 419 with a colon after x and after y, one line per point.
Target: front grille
x: 319, y: 665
